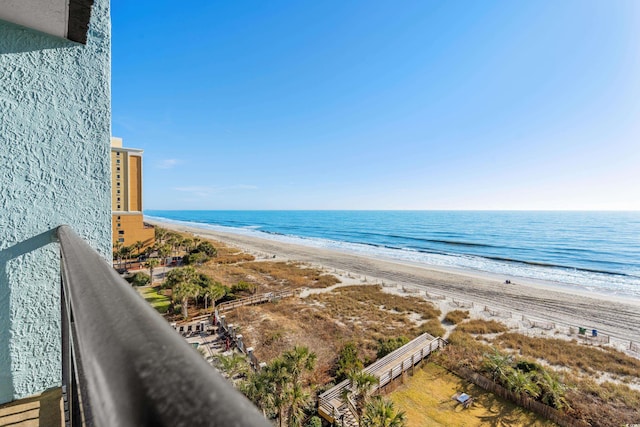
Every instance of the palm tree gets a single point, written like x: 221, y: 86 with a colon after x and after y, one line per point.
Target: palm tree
x: 361, y: 385
x: 181, y: 275
x: 258, y: 389
x: 233, y: 365
x: 117, y: 245
x: 213, y: 291
x: 498, y: 365
x: 298, y: 360
x: 520, y: 382
x: 187, y: 244
x: 380, y: 412
x: 126, y: 254
x: 138, y: 245
x: 182, y: 292
x: 551, y: 389
x: 151, y: 264
x: 298, y: 403
x: 160, y: 233
x: 279, y: 378
x: 163, y: 252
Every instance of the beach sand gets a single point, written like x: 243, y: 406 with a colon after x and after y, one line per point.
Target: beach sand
x: 616, y: 317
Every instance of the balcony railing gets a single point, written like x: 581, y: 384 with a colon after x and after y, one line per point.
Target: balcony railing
x: 123, y: 364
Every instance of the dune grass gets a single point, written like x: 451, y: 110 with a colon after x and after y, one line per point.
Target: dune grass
x: 573, y: 354
x: 480, y: 326
x: 426, y: 398
x: 456, y: 316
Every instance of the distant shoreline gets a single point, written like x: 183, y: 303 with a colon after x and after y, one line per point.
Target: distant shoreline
x: 613, y: 315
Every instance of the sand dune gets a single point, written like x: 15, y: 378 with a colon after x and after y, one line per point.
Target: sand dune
x: 616, y: 317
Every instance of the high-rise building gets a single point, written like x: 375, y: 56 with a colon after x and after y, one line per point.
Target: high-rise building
x: 126, y: 196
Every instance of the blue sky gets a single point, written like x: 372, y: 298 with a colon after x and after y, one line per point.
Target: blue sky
x: 381, y: 105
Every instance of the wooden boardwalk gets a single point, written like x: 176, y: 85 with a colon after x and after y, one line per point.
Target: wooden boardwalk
x: 254, y: 299
x: 330, y: 403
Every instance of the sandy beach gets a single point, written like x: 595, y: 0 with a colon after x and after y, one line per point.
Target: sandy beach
x: 614, y: 316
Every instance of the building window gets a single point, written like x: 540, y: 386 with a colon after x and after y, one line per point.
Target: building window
x: 118, y: 161
x: 118, y: 169
x: 121, y: 232
x: 118, y: 176
x: 118, y: 218
x: 121, y: 240
x: 117, y: 153
x: 118, y: 200
x: 118, y: 183
x: 118, y: 206
x: 118, y: 191
x: 119, y: 225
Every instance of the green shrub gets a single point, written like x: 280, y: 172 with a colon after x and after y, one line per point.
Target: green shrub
x: 314, y: 421
x: 242, y: 286
x: 139, y: 279
x: 348, y: 361
x: 206, y: 248
x: 197, y: 258
x: 387, y: 346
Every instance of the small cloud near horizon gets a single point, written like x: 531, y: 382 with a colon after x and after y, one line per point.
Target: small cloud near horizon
x: 168, y: 163
x: 206, y: 191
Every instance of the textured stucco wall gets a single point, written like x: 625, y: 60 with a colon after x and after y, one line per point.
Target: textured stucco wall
x: 55, y: 124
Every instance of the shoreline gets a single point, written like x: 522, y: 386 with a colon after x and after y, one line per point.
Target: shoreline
x: 613, y: 315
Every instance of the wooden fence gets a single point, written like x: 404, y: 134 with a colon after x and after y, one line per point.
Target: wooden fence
x: 519, y: 399
x: 434, y: 296
x: 538, y: 323
x: 462, y: 304
x: 497, y: 313
x: 238, y: 340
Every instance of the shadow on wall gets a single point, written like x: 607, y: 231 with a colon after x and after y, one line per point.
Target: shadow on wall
x: 7, y: 389
x: 18, y: 39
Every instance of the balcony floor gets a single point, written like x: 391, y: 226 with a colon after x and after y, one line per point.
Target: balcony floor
x: 42, y: 410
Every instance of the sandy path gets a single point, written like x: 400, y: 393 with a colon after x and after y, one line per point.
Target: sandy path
x: 612, y: 316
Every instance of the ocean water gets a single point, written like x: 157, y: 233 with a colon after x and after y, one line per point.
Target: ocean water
x: 595, y: 251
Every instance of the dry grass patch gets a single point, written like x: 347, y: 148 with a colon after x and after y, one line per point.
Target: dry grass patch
x: 463, y: 351
x: 427, y: 400
x: 605, y: 404
x: 481, y: 326
x: 456, y: 316
x: 572, y: 354
x: 273, y: 328
x: 324, y: 322
x: 372, y: 296
x: 292, y: 274
x: 432, y: 327
x: 230, y: 257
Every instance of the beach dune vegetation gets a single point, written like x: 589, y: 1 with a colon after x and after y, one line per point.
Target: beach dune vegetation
x: 480, y: 326
x: 456, y: 316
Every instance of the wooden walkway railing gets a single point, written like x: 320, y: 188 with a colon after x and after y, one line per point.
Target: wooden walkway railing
x: 254, y: 299
x: 330, y: 404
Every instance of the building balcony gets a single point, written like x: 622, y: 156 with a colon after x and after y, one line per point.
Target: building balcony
x: 122, y: 363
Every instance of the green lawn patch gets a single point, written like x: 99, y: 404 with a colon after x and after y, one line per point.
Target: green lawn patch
x: 427, y: 400
x: 153, y: 296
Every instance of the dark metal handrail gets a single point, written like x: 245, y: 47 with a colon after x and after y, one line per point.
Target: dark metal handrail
x: 123, y: 365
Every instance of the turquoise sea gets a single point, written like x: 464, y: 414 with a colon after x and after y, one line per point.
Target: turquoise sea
x: 596, y: 251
